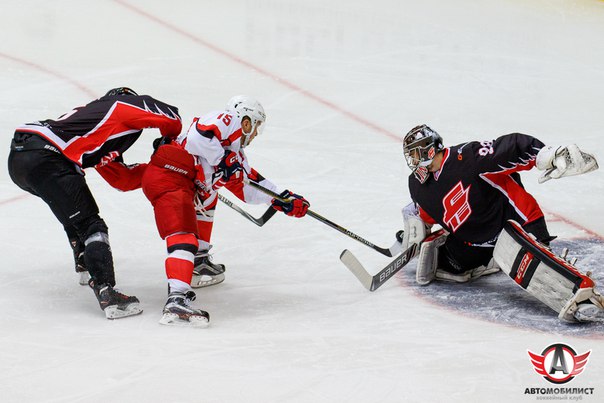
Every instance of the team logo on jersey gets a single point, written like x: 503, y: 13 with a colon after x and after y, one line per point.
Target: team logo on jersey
x: 559, y: 363
x: 457, y: 206
x: 106, y: 159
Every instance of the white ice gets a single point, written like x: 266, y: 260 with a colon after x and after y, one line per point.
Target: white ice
x: 340, y: 81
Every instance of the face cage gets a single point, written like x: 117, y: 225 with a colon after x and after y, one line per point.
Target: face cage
x: 418, y: 156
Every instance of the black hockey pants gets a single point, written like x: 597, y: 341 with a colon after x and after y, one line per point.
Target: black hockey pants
x: 457, y: 256
x: 44, y: 172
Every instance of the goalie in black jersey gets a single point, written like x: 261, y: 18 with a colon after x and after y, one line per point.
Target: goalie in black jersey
x: 473, y: 190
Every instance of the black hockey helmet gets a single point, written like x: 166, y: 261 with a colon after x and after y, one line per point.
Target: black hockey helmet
x: 420, y: 145
x: 121, y: 91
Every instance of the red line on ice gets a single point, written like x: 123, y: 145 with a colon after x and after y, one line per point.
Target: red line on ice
x: 247, y: 64
x: 48, y: 71
x: 261, y: 71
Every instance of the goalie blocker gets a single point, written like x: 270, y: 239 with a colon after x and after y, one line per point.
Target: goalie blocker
x: 549, y: 278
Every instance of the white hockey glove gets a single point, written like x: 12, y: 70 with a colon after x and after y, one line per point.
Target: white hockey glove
x: 415, y: 229
x: 564, y: 161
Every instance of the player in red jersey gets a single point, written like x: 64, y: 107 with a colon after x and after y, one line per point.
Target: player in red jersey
x: 182, y: 181
x: 473, y: 190
x: 47, y: 159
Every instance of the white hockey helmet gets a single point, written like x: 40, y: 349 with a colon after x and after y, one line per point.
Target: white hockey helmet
x: 420, y: 146
x: 241, y: 106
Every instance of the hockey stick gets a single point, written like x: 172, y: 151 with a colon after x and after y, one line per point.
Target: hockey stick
x: 374, y: 282
x: 258, y: 221
x: 386, y: 252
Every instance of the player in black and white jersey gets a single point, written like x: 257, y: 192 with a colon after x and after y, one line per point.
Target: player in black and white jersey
x: 47, y: 159
x: 473, y: 190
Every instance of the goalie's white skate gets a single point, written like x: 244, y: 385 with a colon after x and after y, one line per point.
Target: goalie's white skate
x: 589, y: 313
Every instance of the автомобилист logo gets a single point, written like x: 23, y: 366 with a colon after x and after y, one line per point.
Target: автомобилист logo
x: 559, y: 364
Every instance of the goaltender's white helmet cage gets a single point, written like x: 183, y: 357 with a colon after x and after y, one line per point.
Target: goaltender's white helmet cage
x: 241, y: 106
x: 420, y: 146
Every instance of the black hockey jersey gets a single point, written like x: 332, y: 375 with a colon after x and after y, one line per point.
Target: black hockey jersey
x: 478, y: 189
x: 106, y: 127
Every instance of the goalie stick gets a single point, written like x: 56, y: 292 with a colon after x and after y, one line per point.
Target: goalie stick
x: 384, y: 251
x: 258, y: 221
x: 373, y: 282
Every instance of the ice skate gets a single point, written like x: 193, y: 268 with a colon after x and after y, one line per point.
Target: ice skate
x: 179, y: 312
x: 463, y: 277
x: 115, y: 304
x: 588, y: 312
x: 491, y: 268
x: 81, y: 271
x: 206, y: 273
x: 79, y: 263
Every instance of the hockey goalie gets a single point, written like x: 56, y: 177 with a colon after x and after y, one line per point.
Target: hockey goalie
x: 475, y: 193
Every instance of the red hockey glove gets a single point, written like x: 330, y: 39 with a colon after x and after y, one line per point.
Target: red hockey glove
x: 228, y: 169
x: 295, y: 206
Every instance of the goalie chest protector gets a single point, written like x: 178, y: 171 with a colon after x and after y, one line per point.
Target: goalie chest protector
x: 534, y: 267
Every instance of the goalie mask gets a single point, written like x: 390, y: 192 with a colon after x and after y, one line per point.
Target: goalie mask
x: 242, y: 106
x: 420, y: 146
x: 121, y: 91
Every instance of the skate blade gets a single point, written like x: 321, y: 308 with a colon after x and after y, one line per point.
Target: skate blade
x: 199, y: 282
x: 113, y: 312
x: 83, y: 277
x: 589, y: 313
x: 171, y: 319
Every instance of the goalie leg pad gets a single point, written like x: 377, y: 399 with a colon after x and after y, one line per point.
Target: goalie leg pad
x: 428, y: 258
x: 547, y: 277
x: 414, y: 230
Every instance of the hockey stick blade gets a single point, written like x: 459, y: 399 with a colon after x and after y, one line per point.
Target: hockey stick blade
x: 374, y: 282
x: 258, y: 221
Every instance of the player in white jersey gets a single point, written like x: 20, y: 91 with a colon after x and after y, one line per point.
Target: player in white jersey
x: 212, y: 138
x: 182, y: 181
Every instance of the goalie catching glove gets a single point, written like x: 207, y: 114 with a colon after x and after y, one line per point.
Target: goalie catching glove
x: 564, y: 161
x: 228, y: 169
x: 291, y: 204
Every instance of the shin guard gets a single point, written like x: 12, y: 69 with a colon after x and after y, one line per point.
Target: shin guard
x: 549, y: 278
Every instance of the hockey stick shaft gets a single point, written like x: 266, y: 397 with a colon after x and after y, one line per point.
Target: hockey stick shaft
x: 258, y: 221
x: 318, y: 217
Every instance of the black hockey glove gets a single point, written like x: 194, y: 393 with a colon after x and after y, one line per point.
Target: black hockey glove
x: 160, y: 141
x: 399, y: 236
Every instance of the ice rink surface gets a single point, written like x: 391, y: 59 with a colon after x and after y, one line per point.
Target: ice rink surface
x: 340, y: 81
